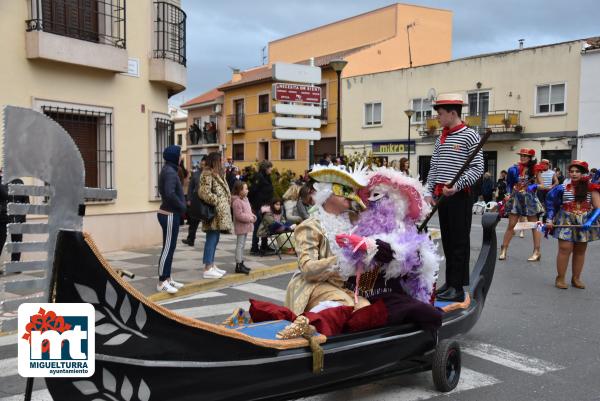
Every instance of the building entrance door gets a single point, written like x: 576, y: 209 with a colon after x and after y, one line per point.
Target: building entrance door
x: 263, y: 151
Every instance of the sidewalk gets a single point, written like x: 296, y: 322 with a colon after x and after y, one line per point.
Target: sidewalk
x: 187, y: 268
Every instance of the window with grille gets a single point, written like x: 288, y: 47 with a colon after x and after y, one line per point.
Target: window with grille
x: 550, y: 99
x: 164, y: 135
x: 92, y: 133
x: 238, y: 151
x: 372, y: 114
x: 288, y: 150
x: 423, y: 110
x: 263, y: 103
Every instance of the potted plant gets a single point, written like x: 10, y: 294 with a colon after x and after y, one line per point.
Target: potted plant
x: 518, y: 129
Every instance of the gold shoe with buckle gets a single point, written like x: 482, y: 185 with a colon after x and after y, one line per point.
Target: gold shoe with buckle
x: 577, y: 283
x: 537, y: 255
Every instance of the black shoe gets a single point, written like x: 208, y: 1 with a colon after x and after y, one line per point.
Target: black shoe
x: 254, y: 252
x: 187, y: 242
x: 441, y: 289
x: 244, y: 265
x: 452, y: 295
x: 240, y: 268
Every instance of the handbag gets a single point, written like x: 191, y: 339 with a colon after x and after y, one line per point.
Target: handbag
x: 201, y: 210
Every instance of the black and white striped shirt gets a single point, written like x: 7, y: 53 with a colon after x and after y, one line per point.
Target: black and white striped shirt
x: 449, y: 157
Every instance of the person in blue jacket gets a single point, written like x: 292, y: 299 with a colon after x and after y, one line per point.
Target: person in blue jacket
x: 575, y: 204
x: 522, y: 200
x: 172, y: 207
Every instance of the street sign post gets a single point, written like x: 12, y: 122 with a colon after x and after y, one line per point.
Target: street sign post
x: 299, y: 104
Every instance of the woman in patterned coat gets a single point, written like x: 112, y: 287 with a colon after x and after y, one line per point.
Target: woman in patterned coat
x: 213, y: 189
x: 574, y: 204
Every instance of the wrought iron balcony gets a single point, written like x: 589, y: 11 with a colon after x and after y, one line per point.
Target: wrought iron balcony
x: 499, y: 121
x: 169, y: 32
x: 236, y: 122
x: 99, y: 21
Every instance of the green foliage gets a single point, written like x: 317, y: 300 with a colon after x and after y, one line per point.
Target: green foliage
x: 281, y: 181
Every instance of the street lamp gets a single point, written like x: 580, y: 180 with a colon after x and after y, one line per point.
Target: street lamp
x: 338, y: 66
x: 409, y: 114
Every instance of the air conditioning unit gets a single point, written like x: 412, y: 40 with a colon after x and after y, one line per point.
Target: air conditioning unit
x: 217, y: 108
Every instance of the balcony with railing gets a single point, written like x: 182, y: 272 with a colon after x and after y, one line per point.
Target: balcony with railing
x: 498, y: 121
x: 236, y: 123
x: 91, y: 33
x: 168, y: 62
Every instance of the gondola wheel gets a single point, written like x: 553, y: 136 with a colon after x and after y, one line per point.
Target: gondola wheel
x: 446, y: 365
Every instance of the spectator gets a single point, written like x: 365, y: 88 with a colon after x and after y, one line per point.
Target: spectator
x: 559, y: 175
x: 305, y: 201
x: 405, y: 166
x: 243, y: 222
x: 193, y: 222
x: 261, y: 193
x: 395, y: 165
x: 215, y: 192
x: 171, y: 209
x: 5, y: 199
x: 501, y: 185
x: 384, y: 162
x: 487, y: 187
x: 595, y: 176
x: 233, y: 175
x: 290, y: 203
x: 326, y: 160
x: 274, y: 221
x: 184, y: 176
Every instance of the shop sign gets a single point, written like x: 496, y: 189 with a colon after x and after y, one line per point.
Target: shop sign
x: 392, y: 148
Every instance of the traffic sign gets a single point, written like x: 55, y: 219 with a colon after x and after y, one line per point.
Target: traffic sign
x: 297, y: 110
x: 296, y: 93
x: 297, y: 122
x: 298, y: 73
x: 296, y: 134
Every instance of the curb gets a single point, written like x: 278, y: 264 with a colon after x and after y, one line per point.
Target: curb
x: 227, y: 281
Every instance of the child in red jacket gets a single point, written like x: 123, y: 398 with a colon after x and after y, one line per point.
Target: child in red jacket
x: 243, y: 222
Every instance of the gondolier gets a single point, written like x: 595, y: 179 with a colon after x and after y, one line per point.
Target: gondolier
x: 576, y: 204
x: 451, y: 151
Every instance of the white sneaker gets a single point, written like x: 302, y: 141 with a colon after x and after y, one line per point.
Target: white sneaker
x: 165, y: 287
x: 211, y: 273
x: 174, y: 283
x: 223, y: 272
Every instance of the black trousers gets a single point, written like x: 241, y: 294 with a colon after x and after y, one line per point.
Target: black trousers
x: 15, y: 257
x: 192, y: 229
x: 455, y: 215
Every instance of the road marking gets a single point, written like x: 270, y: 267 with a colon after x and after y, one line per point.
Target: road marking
x: 262, y: 290
x: 8, y: 339
x: 203, y: 295
x: 415, y: 387
x: 199, y: 312
x: 510, y: 359
x: 8, y: 367
x: 38, y: 395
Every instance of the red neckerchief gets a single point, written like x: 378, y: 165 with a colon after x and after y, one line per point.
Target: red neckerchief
x: 449, y: 131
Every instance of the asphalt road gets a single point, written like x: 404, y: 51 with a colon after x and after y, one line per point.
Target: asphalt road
x: 532, y: 342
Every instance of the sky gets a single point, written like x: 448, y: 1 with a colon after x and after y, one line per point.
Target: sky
x: 232, y: 33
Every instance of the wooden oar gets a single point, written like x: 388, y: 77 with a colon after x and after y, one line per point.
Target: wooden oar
x: 526, y: 225
x: 434, y: 209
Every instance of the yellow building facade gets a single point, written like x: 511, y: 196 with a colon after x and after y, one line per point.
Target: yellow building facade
x: 104, y: 73
x: 514, y: 94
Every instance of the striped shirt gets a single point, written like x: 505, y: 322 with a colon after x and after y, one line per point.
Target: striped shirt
x: 547, y: 177
x: 449, y: 157
x: 569, y: 196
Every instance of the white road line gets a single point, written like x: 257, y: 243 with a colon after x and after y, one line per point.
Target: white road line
x: 510, y: 359
x: 199, y: 312
x: 262, y: 290
x: 415, y: 387
x: 191, y: 297
x: 8, y: 367
x: 38, y: 395
x: 8, y: 339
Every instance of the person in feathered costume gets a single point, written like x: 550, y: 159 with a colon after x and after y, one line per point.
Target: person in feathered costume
x: 386, y: 253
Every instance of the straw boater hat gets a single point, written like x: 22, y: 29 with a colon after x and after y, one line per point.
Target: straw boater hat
x: 526, y: 152
x: 580, y: 163
x: 448, y: 99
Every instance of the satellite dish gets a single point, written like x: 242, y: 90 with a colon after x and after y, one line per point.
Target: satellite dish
x: 431, y: 95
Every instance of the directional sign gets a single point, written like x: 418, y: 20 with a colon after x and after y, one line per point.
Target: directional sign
x: 297, y: 110
x: 298, y: 73
x: 297, y: 122
x: 296, y: 93
x: 296, y: 134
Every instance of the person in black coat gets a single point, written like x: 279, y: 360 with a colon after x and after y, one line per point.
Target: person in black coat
x: 193, y: 222
x: 261, y: 193
x: 487, y: 188
x: 501, y: 185
x: 5, y: 219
